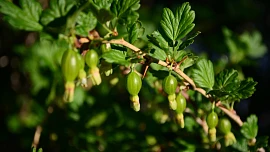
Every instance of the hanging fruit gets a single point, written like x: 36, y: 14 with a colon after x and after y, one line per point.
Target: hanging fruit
x: 92, y: 60
x: 169, y: 85
x: 134, y: 84
x: 70, y: 69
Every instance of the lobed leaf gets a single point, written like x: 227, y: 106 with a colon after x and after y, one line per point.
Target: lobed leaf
x: 246, y: 88
x: 178, y: 25
x: 241, y: 145
x: 253, y: 42
x: 249, y: 128
x: 156, y: 52
x: 228, y: 87
x: 57, y: 9
x: 116, y: 56
x: 203, y: 74
x: 32, y: 8
x: 227, y: 80
x: 85, y: 23
x: 26, y: 17
x: 157, y: 39
x: 101, y: 9
x: 262, y: 141
x: 188, y: 62
x: 135, y: 31
x: 120, y: 7
x: 124, y: 10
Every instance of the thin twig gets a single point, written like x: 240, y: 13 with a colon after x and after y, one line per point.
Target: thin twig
x: 37, y: 136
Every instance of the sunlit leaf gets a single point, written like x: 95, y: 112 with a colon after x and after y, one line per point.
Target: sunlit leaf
x: 203, y: 74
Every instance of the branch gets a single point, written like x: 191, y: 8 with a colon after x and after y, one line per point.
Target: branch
x: 125, y: 43
x: 235, y: 117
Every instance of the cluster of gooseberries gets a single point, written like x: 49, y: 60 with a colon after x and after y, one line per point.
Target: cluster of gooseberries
x: 73, y: 66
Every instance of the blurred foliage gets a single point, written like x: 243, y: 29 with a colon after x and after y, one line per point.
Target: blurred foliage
x: 100, y: 118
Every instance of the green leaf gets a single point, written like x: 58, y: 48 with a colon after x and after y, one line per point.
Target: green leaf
x: 135, y: 31
x: 227, y: 80
x: 261, y: 141
x: 125, y: 10
x: 234, y: 45
x: 178, y: 25
x: 180, y: 55
x: 33, y: 9
x: 246, y: 88
x: 57, y: 9
x: 101, y: 9
x: 156, y: 52
x: 85, y: 23
x: 228, y: 87
x: 254, y: 45
x: 106, y: 4
x: 156, y: 39
x: 157, y: 67
x: 25, y: 18
x: 203, y: 74
x: 241, y: 145
x: 120, y: 7
x: 116, y: 56
x: 188, y: 62
x: 249, y: 128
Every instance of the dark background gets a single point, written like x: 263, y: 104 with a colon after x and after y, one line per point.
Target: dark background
x: 211, y: 16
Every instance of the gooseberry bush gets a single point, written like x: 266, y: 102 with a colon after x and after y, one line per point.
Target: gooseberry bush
x: 85, y: 48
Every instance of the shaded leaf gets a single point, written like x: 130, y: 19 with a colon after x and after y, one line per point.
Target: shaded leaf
x: 124, y: 10
x: 241, y: 145
x: 227, y: 80
x: 57, y: 9
x: 246, y: 88
x: 229, y: 88
x: 157, y: 53
x: 101, y: 9
x: 135, y: 31
x: 120, y: 7
x: 261, y: 141
x: 157, y: 39
x: 85, y: 23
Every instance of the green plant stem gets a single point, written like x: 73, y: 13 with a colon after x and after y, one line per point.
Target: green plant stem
x: 108, y: 30
x: 235, y: 117
x: 232, y: 104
